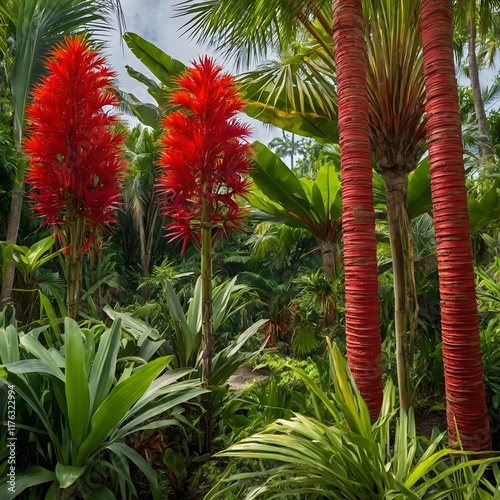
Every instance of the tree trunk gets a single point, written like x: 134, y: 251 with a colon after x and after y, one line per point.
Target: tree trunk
x: 397, y: 215
x: 465, y: 395
x: 358, y: 218
x: 329, y: 254
x: 16, y: 209
x: 328, y: 257
x: 482, y: 123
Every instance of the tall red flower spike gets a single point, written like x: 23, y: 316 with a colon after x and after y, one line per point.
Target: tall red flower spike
x: 204, y: 155
x: 75, y: 157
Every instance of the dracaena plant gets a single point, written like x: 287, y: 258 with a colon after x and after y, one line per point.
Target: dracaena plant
x: 75, y: 153
x: 205, y: 159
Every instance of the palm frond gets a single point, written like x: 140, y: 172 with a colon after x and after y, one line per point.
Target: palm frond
x: 248, y: 30
x: 395, y: 82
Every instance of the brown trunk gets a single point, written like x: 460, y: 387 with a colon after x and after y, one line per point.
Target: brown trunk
x: 395, y: 189
x: 482, y: 123
x: 16, y: 208
x: 329, y: 257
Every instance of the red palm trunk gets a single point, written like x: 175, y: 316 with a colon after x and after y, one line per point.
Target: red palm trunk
x: 358, y: 220
x: 465, y: 396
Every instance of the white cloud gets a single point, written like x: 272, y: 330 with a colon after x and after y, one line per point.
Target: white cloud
x: 154, y: 21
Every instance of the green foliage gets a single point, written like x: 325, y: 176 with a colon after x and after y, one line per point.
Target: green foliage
x: 490, y: 348
x: 81, y: 408
x: 182, y: 339
x: 36, y: 283
x: 313, y: 205
x: 354, y: 458
x: 163, y: 67
x: 305, y: 154
x: 485, y: 210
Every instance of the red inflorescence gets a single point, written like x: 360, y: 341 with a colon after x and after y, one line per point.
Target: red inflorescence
x: 204, y: 153
x: 75, y: 157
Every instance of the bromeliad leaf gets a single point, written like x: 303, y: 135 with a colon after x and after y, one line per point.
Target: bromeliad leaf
x: 114, y: 408
x: 77, y: 388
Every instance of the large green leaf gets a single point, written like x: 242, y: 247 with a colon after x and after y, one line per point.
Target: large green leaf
x: 321, y: 129
x: 122, y: 449
x: 77, y: 388
x: 116, y: 406
x: 278, y: 182
x: 188, y: 341
x: 302, y: 203
x: 160, y: 64
x: 164, y: 394
x: 49, y: 356
x: 103, y: 368
x: 328, y: 194
x: 486, y: 210
x: 193, y: 314
x: 32, y: 476
x: 67, y: 474
x: 148, y: 114
x: 25, y: 366
x: 155, y: 90
x: 419, y: 190
x: 9, y: 345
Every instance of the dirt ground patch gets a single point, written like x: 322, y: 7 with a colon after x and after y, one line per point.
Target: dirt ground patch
x: 245, y: 376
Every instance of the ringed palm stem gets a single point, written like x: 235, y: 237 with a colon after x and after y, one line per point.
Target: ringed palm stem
x: 396, y: 92
x: 465, y: 395
x: 358, y: 219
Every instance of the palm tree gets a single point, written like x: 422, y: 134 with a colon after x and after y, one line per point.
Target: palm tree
x: 465, y: 396
x: 140, y: 189
x: 358, y: 221
x: 301, y: 203
x: 476, y: 17
x: 298, y: 94
x: 34, y: 27
x: 284, y: 146
x: 397, y: 125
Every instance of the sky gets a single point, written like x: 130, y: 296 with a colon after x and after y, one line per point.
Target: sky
x: 154, y: 21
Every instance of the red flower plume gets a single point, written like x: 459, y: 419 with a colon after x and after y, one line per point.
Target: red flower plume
x: 75, y: 157
x: 204, y: 155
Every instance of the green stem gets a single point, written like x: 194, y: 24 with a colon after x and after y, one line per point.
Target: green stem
x: 74, y: 239
x: 207, y: 326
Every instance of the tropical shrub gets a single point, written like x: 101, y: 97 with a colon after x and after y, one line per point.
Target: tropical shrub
x: 346, y: 456
x: 36, y: 283
x: 83, y: 403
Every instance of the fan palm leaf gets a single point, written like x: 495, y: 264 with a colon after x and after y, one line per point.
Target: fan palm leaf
x: 246, y: 30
